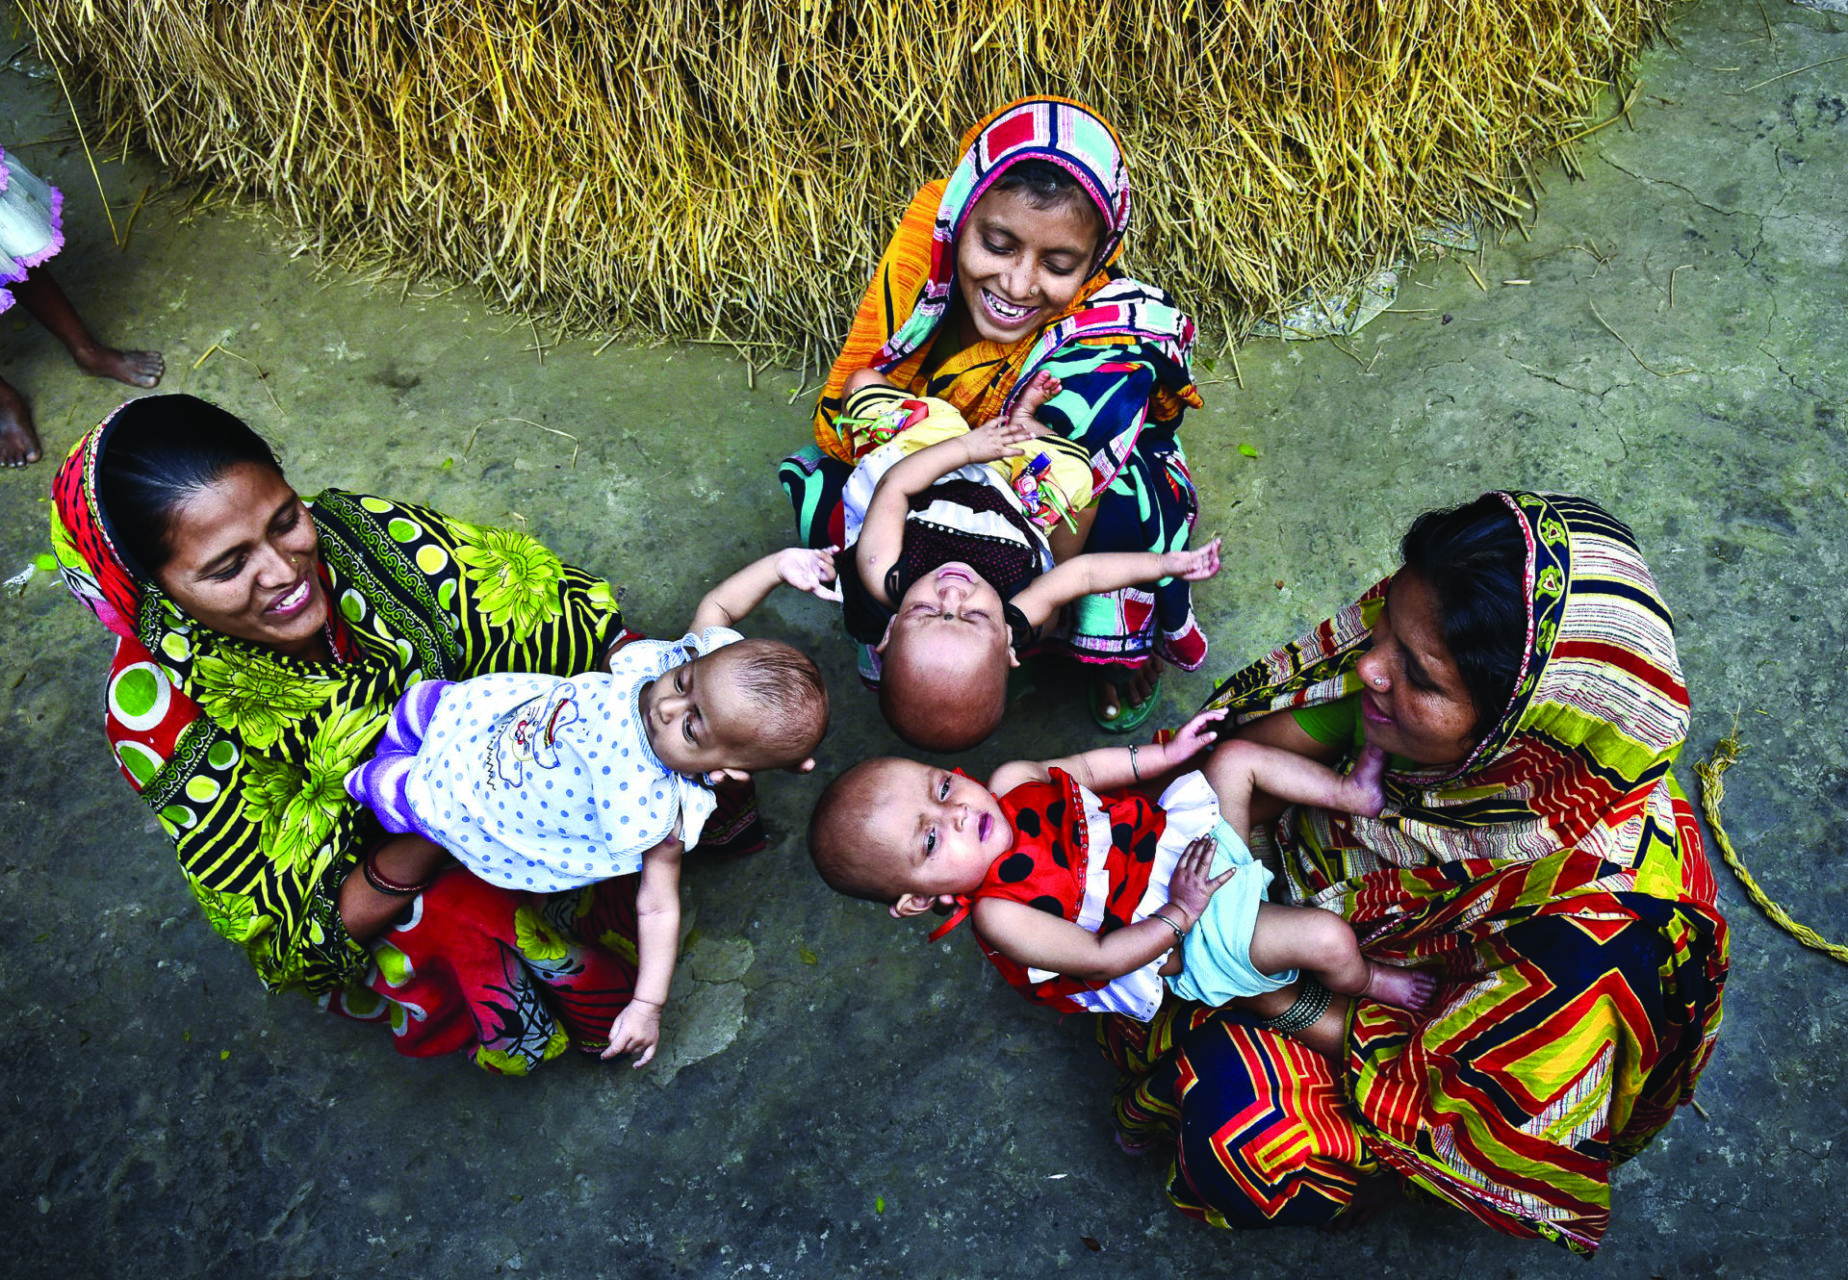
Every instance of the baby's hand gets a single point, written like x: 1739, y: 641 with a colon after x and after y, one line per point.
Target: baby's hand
x: 996, y: 439
x: 1195, y: 736
x: 1192, y: 883
x: 1195, y: 566
x: 810, y: 571
x: 637, y: 1028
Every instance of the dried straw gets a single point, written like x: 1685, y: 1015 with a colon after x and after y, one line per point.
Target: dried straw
x: 731, y: 168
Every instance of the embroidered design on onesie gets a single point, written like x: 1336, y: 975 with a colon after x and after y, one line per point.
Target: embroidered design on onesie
x: 530, y: 736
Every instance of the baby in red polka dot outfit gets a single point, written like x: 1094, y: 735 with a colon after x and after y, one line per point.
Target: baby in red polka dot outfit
x: 1087, y: 894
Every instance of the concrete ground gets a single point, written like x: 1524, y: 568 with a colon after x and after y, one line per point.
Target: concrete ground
x: 838, y: 1096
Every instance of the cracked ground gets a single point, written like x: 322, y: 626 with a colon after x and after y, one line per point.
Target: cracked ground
x: 1665, y: 334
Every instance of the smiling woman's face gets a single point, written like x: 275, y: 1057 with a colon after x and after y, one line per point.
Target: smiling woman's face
x: 245, y: 559
x: 1019, y: 266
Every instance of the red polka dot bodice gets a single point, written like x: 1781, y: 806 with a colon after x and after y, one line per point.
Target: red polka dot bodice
x: 1077, y: 855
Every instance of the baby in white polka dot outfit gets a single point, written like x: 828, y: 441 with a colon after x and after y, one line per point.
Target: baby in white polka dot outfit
x: 543, y: 783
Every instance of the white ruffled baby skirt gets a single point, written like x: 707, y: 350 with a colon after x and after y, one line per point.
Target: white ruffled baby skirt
x: 31, y: 223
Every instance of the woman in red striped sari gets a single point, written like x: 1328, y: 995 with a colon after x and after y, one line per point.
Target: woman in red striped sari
x: 1535, y: 854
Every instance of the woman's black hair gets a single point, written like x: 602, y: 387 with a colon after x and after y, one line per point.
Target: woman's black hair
x: 1045, y: 185
x: 1475, y: 558
x: 158, y: 452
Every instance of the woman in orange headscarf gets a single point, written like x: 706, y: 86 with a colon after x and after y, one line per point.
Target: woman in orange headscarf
x: 998, y: 272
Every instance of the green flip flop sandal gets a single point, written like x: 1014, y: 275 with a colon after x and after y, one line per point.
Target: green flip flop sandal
x: 1128, y: 719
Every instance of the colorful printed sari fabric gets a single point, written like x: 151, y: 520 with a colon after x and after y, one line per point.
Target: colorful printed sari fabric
x: 1260, y: 1122
x: 241, y: 752
x: 1556, y: 881
x: 514, y: 978
x: 1120, y: 350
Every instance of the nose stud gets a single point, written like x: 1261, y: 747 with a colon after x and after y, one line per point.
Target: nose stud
x: 1379, y: 682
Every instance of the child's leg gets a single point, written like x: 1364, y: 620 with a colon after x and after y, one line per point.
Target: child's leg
x: 19, y: 442
x: 379, y: 783
x: 40, y: 294
x: 1321, y: 943
x: 865, y: 378
x: 1236, y: 767
x: 410, y: 719
x: 1067, y: 541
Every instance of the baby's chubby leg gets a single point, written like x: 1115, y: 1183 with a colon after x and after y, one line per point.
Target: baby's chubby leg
x: 865, y: 378
x: 1322, y: 943
x: 1237, y: 767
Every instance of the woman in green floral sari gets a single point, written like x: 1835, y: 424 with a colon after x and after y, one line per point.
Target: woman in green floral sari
x: 263, y: 642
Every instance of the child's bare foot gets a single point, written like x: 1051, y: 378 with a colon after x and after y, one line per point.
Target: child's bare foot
x: 136, y: 368
x: 19, y: 443
x: 1409, y: 989
x: 1042, y: 388
x: 1366, y: 783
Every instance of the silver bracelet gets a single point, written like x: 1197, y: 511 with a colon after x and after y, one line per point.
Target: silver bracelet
x: 1178, y: 931
x: 1132, y: 762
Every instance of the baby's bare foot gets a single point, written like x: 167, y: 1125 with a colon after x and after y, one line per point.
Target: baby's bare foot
x: 1042, y: 388
x: 19, y: 443
x: 1409, y: 989
x: 1366, y: 783
x: 136, y: 368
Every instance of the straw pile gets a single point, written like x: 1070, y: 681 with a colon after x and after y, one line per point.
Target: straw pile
x: 696, y: 168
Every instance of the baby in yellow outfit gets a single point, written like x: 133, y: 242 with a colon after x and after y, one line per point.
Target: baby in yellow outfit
x: 1053, y: 478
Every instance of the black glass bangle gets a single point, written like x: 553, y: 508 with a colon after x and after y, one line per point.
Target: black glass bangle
x: 1311, y: 1003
